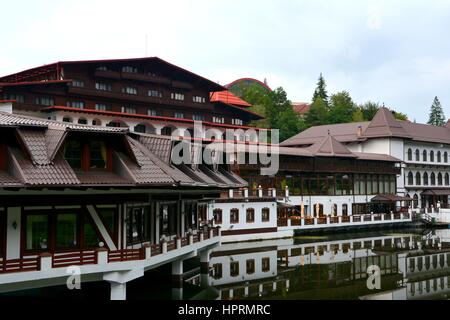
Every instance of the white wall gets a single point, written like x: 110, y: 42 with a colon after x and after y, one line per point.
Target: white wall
x: 328, y: 202
x: 13, y: 234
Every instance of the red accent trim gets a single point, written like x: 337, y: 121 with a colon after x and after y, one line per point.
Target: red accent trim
x: 25, y: 83
x: 143, y: 116
x: 229, y: 98
x: 6, y: 101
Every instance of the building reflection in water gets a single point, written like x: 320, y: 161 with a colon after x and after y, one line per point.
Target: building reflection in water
x: 412, y: 266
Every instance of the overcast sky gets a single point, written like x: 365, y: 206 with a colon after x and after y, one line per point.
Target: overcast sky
x: 394, y: 52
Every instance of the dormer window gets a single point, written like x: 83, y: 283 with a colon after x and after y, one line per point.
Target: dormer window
x: 88, y: 155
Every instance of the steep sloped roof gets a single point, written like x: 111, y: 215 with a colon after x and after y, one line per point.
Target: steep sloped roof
x: 385, y: 125
x: 229, y: 98
x: 330, y: 147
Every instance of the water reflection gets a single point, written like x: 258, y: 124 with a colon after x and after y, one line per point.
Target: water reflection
x: 412, y: 266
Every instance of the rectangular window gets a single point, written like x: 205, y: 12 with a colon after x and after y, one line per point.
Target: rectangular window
x: 138, y: 224
x: 265, y: 215
x: 237, y: 122
x: 130, y: 110
x: 72, y: 153
x: 219, y: 120
x: 177, y: 96
x: 102, y: 68
x: 129, y: 69
x: 152, y: 112
x: 102, y: 107
x: 216, y: 271
x: 178, y: 115
x: 45, y: 101
x: 234, y: 269
x: 250, y: 266
x: 66, y: 231
x: 265, y: 264
x: 217, y: 216
x: 101, y: 86
x: 234, y: 216
x: 130, y: 90
x: 17, y: 97
x: 155, y: 93
x: 198, y: 99
x: 75, y: 104
x: 198, y: 117
x: 37, y: 232
x: 98, y: 154
x: 78, y: 83
x: 250, y: 215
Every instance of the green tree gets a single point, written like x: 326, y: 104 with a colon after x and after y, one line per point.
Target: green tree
x: 400, y: 116
x: 358, y: 115
x: 342, y: 108
x: 369, y: 109
x: 317, y: 114
x: 321, y: 91
x: 437, y: 117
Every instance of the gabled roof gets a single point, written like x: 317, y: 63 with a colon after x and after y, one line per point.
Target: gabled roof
x: 330, y: 147
x: 229, y: 98
x: 385, y: 125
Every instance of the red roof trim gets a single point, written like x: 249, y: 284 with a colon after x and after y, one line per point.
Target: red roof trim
x: 143, y: 116
x: 229, y: 98
x: 26, y: 83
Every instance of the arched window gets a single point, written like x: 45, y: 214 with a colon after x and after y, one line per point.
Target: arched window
x: 265, y: 215
x: 417, y: 155
x: 424, y: 155
x: 250, y: 215
x: 345, y: 210
x: 167, y: 131
x: 410, y: 178
x: 418, y: 179
x: 410, y: 156
x: 415, y: 201
x: 433, y: 179
x: 318, y: 210
x: 425, y: 179
x: 431, y: 156
x: 438, y: 156
x: 445, y: 157
x: 234, y: 216
x: 217, y: 213
x: 82, y: 121
x: 96, y: 122
x: 447, y: 179
x: 439, y: 179
x: 335, y: 210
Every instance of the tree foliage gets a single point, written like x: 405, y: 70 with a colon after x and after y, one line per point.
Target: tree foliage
x: 437, y: 117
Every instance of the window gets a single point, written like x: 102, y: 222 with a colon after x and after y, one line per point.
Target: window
x: 445, y: 157
x: 431, y: 156
x: 237, y: 122
x: 72, y: 153
x: 168, y: 219
x: 103, y: 86
x: 409, y: 154
x: 67, y: 119
x: 37, y: 232
x: 129, y: 69
x: 16, y: 97
x: 98, y: 155
x: 418, y: 179
x: 177, y: 96
x: 417, y: 155
x: 44, y: 101
x: 425, y: 179
x: 82, y: 121
x: 66, y: 231
x: 410, y: 178
x: 178, y: 115
x: 198, y: 99
x: 155, y: 93
x: 138, y: 224
x: 102, y: 68
x: 265, y: 264
x: 250, y: 215
x: 102, y: 107
x: 216, y: 271
x: 250, y: 266
x: 198, y: 117
x: 234, y: 216
x: 78, y: 83
x: 127, y: 109
x: 438, y: 156
x: 433, y: 179
x: 219, y: 120
x: 439, y: 179
x: 217, y: 213
x: 447, y: 179
x: 234, y: 269
x: 166, y: 131
x: 139, y: 128
x: 344, y: 210
x: 265, y: 215
x: 130, y: 90
x: 415, y: 201
x: 75, y: 104
x: 424, y: 155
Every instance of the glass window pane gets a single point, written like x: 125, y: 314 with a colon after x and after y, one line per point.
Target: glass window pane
x: 98, y: 155
x: 66, y: 231
x: 72, y: 153
x: 91, y: 238
x: 36, y: 232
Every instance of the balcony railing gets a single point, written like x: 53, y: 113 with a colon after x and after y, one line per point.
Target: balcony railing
x: 47, y: 261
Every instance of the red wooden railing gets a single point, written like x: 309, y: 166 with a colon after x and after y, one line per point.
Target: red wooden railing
x: 345, y: 219
x: 19, y: 265
x: 65, y: 259
x: 125, y: 255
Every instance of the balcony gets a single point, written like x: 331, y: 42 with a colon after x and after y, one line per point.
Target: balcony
x: 103, y: 260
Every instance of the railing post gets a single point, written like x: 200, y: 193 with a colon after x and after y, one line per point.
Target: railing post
x: 286, y: 192
x: 191, y: 239
x: 260, y: 192
x: 351, y: 219
x: 230, y: 193
x: 274, y: 192
x: 315, y: 221
x: 164, y: 246
x: 147, y: 251
x: 302, y: 222
x: 328, y: 219
x: 45, y: 261
x: 246, y: 193
x: 102, y: 255
x: 178, y: 243
x: 289, y: 222
x: 211, y: 233
x: 202, y: 236
x: 392, y: 216
x: 382, y: 217
x: 401, y: 216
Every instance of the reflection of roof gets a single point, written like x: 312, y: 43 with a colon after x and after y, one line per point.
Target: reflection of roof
x: 248, y: 80
x: 229, y: 98
x: 301, y: 107
x: 436, y: 192
x: 389, y: 198
x: 382, y: 125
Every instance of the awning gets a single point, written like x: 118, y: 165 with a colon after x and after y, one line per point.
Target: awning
x: 436, y: 192
x: 389, y: 198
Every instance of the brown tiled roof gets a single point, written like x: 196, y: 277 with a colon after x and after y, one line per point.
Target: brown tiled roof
x: 385, y: 125
x: 160, y: 146
x: 36, y: 144
x: 330, y: 147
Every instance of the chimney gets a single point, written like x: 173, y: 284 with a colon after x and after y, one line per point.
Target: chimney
x: 359, y: 132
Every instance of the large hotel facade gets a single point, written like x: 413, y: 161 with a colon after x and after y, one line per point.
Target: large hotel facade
x: 88, y: 177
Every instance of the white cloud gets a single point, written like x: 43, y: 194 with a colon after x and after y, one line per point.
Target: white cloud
x: 374, y: 18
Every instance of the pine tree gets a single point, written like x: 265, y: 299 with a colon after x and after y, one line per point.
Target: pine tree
x: 437, y: 117
x: 321, y: 91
